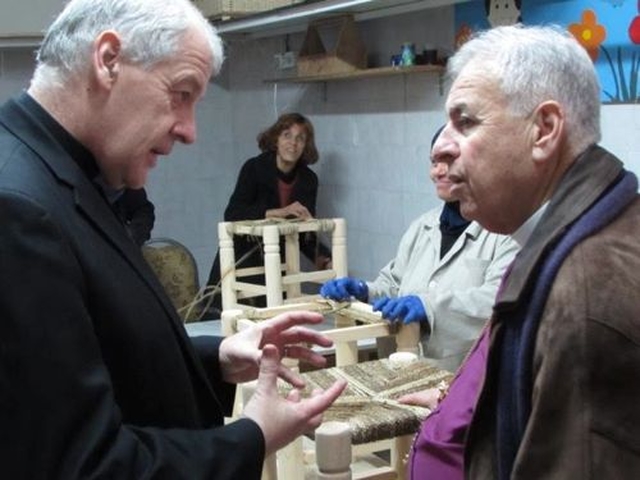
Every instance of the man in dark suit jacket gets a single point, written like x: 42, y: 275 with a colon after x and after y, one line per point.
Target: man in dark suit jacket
x: 98, y: 378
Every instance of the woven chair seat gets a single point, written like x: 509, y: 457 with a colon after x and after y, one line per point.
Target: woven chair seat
x: 369, y: 403
x: 285, y: 227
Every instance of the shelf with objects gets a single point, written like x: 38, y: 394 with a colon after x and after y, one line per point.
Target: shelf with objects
x: 347, y: 59
x: 360, y: 74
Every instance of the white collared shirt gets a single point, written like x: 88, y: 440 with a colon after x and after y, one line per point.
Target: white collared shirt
x: 522, y: 234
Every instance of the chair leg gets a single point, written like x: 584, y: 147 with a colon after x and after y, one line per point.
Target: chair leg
x: 290, y: 460
x: 227, y: 267
x: 408, y: 338
x: 272, y: 272
x: 399, y: 451
x: 292, y: 257
x: 333, y: 451
x: 339, y: 247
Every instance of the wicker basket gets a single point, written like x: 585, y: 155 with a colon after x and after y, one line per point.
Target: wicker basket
x: 236, y: 8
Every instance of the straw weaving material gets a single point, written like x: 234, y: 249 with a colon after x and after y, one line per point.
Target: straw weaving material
x: 285, y: 226
x: 368, y: 404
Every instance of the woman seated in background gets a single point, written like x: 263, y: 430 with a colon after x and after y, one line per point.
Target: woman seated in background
x: 445, y: 275
x: 278, y: 183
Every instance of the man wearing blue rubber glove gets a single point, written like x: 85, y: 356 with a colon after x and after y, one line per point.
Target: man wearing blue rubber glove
x: 405, y: 309
x: 445, y: 276
x: 342, y: 289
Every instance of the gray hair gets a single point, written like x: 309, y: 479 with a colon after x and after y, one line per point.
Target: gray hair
x: 151, y: 31
x: 537, y: 63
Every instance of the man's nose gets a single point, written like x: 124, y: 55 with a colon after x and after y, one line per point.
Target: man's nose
x: 185, y: 130
x: 444, y: 149
x: 440, y: 168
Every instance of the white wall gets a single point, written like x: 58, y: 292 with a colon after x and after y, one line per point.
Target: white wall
x: 373, y: 136
x: 27, y: 17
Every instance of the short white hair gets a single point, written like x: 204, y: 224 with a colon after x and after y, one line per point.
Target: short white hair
x: 533, y: 64
x: 151, y: 31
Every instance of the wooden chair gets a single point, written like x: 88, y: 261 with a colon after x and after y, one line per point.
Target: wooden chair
x: 281, y: 280
x: 177, y: 270
x: 393, y: 431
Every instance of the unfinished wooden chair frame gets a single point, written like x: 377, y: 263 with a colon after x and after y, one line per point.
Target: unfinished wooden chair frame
x: 280, y: 279
x: 353, y: 322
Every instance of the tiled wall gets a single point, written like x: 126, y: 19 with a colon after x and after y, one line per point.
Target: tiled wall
x: 373, y: 136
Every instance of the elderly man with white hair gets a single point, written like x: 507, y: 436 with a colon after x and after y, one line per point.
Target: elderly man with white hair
x: 548, y: 392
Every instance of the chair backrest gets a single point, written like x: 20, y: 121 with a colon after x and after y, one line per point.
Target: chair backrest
x: 280, y: 280
x: 177, y: 271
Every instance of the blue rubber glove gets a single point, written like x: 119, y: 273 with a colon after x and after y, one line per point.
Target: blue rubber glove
x: 341, y: 289
x: 406, y: 309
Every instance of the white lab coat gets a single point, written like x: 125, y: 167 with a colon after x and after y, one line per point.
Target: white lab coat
x: 457, y: 292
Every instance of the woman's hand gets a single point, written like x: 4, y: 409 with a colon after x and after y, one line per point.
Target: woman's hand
x: 323, y: 263
x: 295, y: 209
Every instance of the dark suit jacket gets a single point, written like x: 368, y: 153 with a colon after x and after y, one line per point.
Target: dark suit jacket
x: 137, y: 212
x: 98, y: 378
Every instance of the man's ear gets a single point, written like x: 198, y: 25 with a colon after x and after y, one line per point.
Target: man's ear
x: 549, y: 122
x: 106, y: 61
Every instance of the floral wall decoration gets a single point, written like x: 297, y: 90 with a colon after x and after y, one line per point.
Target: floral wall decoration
x: 608, y: 29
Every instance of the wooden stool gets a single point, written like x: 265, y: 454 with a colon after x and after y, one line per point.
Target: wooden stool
x: 368, y: 407
x: 354, y: 321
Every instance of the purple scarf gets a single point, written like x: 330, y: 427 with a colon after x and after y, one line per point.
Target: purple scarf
x: 438, y: 451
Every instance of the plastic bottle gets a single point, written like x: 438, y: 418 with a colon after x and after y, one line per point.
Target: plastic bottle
x: 408, y: 54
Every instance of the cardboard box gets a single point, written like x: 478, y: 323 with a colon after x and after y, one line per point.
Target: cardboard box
x: 348, y: 55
